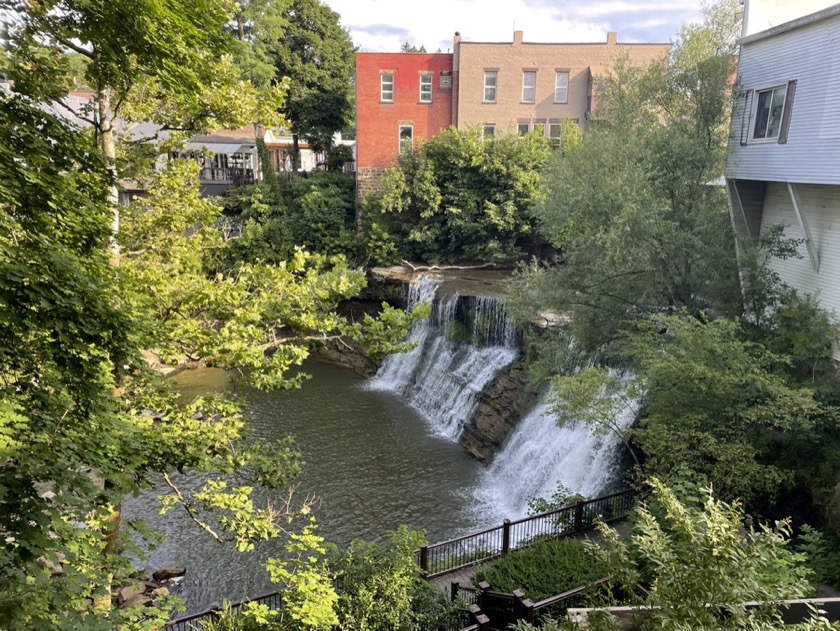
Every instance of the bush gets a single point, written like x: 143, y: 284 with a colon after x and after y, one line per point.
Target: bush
x: 321, y: 212
x: 823, y: 555
x: 545, y: 569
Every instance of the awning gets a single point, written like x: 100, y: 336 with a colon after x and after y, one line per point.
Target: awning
x: 218, y: 147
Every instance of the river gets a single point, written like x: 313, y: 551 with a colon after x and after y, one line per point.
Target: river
x: 369, y: 457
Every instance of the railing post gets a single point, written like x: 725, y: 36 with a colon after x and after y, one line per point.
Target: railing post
x: 453, y: 590
x: 506, y: 536
x: 483, y: 587
x: 518, y: 597
x: 579, y: 518
x: 424, y: 558
x: 528, y: 610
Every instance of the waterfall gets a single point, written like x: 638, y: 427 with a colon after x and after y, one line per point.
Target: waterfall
x: 540, y: 455
x: 461, y: 347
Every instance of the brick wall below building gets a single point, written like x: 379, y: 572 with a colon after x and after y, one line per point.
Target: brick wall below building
x: 369, y: 182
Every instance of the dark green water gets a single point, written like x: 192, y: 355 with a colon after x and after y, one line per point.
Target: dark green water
x: 369, y: 458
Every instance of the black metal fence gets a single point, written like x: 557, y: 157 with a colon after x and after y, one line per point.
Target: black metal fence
x: 478, y: 547
x: 195, y: 622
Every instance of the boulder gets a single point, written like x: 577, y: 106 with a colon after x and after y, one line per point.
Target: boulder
x: 55, y: 569
x: 130, y: 591
x: 160, y: 592
x: 166, y: 573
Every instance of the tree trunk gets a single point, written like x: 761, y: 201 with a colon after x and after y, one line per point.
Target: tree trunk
x: 241, y: 27
x: 109, y: 150
x: 108, y: 145
x: 295, y: 154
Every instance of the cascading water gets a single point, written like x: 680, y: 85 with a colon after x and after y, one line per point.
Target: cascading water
x: 540, y: 455
x: 463, y: 345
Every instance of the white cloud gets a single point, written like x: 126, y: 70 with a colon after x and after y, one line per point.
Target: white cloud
x: 383, y: 25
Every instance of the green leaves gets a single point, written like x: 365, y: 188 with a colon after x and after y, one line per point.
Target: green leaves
x: 714, y: 404
x: 701, y: 565
x: 630, y: 206
x: 316, y: 54
x: 459, y: 197
x: 310, y: 597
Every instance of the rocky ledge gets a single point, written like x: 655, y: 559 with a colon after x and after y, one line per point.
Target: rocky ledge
x: 502, y: 404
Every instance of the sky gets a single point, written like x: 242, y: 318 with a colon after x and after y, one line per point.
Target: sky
x: 383, y: 25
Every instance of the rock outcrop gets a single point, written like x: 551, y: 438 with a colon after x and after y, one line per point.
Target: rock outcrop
x: 503, y: 403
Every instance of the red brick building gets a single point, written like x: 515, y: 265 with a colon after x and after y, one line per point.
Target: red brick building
x: 401, y: 99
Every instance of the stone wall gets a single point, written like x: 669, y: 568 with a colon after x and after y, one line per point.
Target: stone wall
x: 369, y: 182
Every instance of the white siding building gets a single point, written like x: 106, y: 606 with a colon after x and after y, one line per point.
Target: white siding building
x: 783, y: 161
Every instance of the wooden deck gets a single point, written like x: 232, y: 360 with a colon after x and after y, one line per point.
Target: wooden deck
x: 464, y: 577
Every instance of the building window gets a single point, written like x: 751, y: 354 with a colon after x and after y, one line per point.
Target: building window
x: 489, y: 132
x: 425, y: 88
x: 491, y: 80
x: 406, y: 138
x: 555, y: 134
x: 529, y: 87
x: 386, y: 88
x: 523, y: 128
x: 770, y: 105
x: 561, y: 87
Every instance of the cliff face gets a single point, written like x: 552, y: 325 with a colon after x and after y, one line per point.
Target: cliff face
x: 503, y: 403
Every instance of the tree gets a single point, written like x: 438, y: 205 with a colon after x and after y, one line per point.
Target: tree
x: 83, y: 421
x: 633, y: 209
x: 702, y: 564
x: 258, y: 26
x: 407, y: 47
x: 460, y: 197
x: 65, y: 344
x: 168, y: 68
x: 377, y: 584
x: 316, y: 55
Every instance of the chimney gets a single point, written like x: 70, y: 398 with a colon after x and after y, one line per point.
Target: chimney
x: 612, y: 38
x: 517, y: 38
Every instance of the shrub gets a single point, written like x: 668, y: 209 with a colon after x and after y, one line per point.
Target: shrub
x: 545, y: 569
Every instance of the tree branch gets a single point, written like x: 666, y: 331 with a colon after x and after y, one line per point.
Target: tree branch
x: 89, y: 121
x: 201, y: 524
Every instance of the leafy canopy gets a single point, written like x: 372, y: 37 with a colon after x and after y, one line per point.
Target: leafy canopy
x: 460, y: 197
x: 316, y: 54
x: 702, y: 563
x: 632, y: 207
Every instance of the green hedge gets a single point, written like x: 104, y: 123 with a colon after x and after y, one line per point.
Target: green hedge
x: 543, y: 570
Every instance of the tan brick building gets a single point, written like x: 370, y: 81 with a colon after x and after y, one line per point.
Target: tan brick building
x: 514, y: 86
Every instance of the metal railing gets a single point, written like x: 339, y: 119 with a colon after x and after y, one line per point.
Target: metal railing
x: 235, y: 175
x: 274, y: 600
x: 440, y: 558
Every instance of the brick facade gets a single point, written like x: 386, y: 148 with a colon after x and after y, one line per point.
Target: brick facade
x: 582, y: 62
x: 378, y: 123
x: 458, y: 94
x: 368, y: 181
